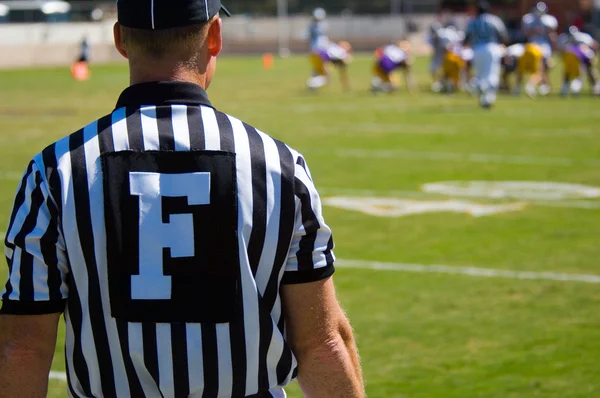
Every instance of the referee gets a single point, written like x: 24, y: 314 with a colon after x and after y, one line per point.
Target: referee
x: 186, y: 249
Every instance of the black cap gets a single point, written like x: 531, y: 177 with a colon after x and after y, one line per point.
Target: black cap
x: 165, y: 14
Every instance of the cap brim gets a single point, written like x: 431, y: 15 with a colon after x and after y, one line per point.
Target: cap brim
x: 225, y: 11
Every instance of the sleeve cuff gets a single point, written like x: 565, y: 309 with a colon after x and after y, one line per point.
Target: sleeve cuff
x: 314, y: 275
x: 33, y: 308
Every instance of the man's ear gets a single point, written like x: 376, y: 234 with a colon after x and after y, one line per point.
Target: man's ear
x: 119, y: 40
x: 215, y: 38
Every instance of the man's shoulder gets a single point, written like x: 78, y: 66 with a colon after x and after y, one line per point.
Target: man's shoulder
x: 268, y: 141
x: 72, y: 141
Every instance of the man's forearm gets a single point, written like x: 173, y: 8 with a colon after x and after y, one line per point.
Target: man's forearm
x: 23, y: 372
x: 332, y: 371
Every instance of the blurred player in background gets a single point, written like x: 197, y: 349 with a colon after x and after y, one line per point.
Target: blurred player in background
x: 338, y: 55
x: 80, y: 70
x: 510, y: 64
x: 438, y: 40
x: 388, y: 60
x: 530, y: 65
x: 457, y: 64
x: 485, y: 34
x: 539, y: 28
x: 317, y: 31
x: 579, y: 52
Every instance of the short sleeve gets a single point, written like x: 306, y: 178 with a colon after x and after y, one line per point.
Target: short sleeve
x: 310, y: 257
x: 35, y: 251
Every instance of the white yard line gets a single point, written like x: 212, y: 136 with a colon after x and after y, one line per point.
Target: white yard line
x: 458, y: 157
x: 61, y: 376
x: 469, y: 271
x: 572, y: 204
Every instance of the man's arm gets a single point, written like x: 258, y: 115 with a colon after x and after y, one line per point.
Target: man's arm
x: 26, y: 351
x: 31, y: 302
x: 321, y: 337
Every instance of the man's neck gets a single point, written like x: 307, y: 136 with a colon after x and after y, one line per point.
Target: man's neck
x: 176, y: 74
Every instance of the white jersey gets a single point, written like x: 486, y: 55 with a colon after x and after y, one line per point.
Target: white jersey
x: 515, y: 51
x: 443, y: 38
x: 395, y: 54
x: 335, y: 52
x: 538, y: 29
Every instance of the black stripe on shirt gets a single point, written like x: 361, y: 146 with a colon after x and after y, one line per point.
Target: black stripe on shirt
x: 26, y: 293
x: 166, y: 136
x: 311, y: 228
x: 86, y: 238
x: 257, y: 241
x: 302, y: 163
x: 107, y: 145
x: 237, y: 328
x: 105, y: 135
x: 181, y: 378
x: 150, y: 345
x: 259, y: 198
x: 286, y: 232
x: 196, y: 127
x: 210, y: 357
x: 53, y: 177
x: 19, y: 200
x: 135, y: 387
x: 75, y: 313
x: 134, y: 129
x: 225, y: 132
x: 48, y: 247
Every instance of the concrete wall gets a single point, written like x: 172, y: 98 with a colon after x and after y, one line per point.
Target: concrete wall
x: 23, y: 45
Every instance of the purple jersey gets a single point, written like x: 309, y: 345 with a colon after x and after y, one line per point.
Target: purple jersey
x: 332, y: 53
x: 585, y: 55
x: 323, y: 55
x: 393, y: 57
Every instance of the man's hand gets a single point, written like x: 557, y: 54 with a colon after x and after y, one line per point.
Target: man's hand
x: 26, y: 351
x: 322, y: 340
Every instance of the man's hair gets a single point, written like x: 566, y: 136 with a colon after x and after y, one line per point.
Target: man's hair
x: 163, y: 42
x: 483, y: 7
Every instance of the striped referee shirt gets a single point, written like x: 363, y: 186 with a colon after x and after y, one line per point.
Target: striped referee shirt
x: 164, y: 231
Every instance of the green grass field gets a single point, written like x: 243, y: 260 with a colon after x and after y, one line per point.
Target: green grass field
x: 420, y: 334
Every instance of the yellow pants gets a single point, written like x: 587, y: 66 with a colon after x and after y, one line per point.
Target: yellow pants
x: 572, y: 66
x: 530, y: 63
x: 453, y: 64
x: 380, y: 73
x: 318, y: 65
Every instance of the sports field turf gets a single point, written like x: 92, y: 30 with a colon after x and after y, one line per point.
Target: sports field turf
x: 420, y: 334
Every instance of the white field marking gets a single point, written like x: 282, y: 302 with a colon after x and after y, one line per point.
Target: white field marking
x: 524, y: 190
x: 573, y: 204
x: 469, y: 271
x: 457, y: 157
x: 394, y: 207
x: 61, y: 376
